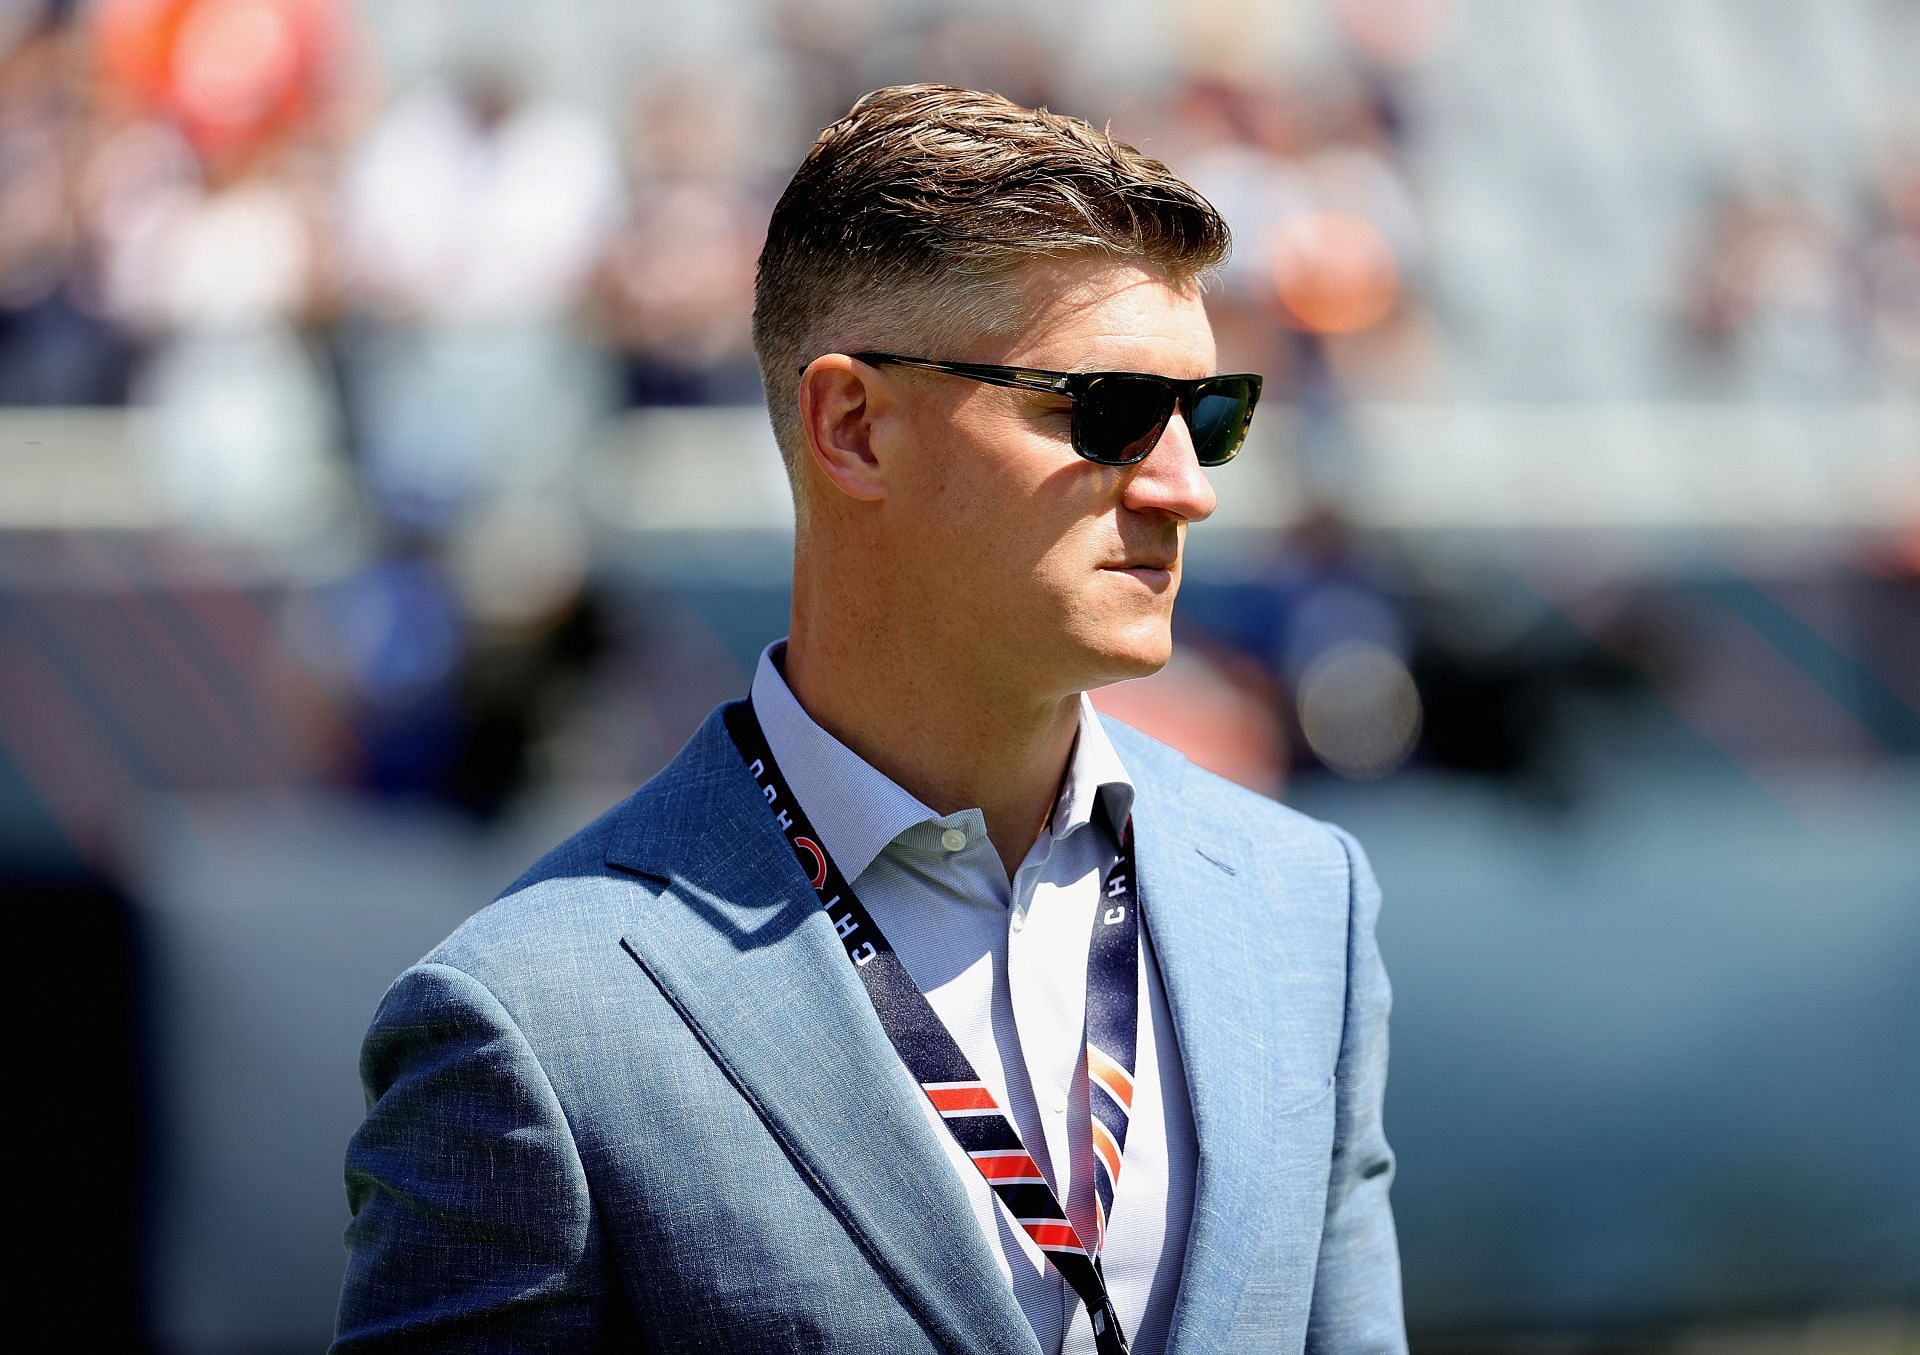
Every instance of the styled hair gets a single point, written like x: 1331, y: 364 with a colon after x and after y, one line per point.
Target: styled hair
x: 907, y: 218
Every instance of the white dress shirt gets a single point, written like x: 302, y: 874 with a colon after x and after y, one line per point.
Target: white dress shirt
x: 1004, y: 965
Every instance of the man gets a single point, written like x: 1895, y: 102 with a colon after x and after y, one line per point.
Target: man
x: 915, y: 1007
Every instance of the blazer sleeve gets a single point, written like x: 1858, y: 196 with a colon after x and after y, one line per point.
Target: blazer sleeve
x: 472, y: 1229
x: 1356, y: 1307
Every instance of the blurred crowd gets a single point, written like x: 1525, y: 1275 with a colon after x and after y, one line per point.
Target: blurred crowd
x: 215, y: 210
x: 403, y: 312
x: 1779, y: 300
x: 193, y: 185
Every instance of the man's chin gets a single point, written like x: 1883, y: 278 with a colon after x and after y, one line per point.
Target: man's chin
x: 1141, y: 656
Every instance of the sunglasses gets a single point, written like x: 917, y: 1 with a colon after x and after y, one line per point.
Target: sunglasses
x: 1118, y: 417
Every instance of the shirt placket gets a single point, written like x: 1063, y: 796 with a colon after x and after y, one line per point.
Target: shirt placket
x: 1046, y: 977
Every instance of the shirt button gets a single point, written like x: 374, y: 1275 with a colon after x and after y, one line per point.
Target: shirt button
x: 953, y: 839
x: 1060, y: 1104
x: 1019, y: 921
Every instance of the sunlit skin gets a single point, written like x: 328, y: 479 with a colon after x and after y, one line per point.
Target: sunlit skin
x: 961, y: 575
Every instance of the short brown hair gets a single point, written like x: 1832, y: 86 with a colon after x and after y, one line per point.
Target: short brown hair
x: 909, y: 213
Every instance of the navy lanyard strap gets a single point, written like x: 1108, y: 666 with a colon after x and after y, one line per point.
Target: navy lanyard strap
x: 947, y: 1077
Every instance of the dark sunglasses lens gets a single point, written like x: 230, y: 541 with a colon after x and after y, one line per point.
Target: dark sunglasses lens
x: 1221, y: 412
x: 1117, y: 419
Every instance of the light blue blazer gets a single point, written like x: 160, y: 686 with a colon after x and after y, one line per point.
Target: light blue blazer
x: 642, y: 1102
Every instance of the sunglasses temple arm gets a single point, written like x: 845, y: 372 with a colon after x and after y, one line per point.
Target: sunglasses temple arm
x: 1013, y: 378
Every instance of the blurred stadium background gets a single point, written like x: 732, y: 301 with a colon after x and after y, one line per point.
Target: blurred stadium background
x: 383, y: 492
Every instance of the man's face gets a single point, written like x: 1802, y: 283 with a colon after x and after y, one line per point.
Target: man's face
x: 1050, y: 573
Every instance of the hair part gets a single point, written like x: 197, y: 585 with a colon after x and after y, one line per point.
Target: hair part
x: 905, y: 222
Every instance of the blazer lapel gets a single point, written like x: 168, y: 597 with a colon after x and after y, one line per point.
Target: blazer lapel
x: 739, y: 944
x: 1218, y: 968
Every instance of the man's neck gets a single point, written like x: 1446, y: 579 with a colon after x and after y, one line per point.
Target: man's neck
x: 937, y: 735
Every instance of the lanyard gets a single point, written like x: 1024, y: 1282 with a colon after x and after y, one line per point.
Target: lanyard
x: 944, y: 1073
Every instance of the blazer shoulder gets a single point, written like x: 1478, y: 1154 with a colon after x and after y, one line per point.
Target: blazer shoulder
x: 564, y: 908
x: 1213, y: 798
x: 576, y: 895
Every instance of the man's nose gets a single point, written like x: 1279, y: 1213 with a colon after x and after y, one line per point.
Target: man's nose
x: 1171, y: 478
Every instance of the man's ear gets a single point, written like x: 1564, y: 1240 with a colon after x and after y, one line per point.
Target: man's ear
x: 841, y: 401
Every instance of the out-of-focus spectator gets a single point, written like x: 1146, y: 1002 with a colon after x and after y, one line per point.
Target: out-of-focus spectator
x: 388, y: 641
x: 473, y: 215
x: 1327, y: 624
x: 674, y: 292
x: 233, y: 244
x: 1763, y: 298
x: 472, y: 203
x: 1885, y: 261
x: 1322, y: 292
x: 1239, y: 144
x: 451, y: 660
x: 233, y: 75
x: 57, y: 346
x: 1351, y: 270
x: 214, y: 228
x: 222, y: 275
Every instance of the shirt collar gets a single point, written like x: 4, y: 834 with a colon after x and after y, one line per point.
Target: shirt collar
x: 1095, y: 775
x: 858, y: 811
